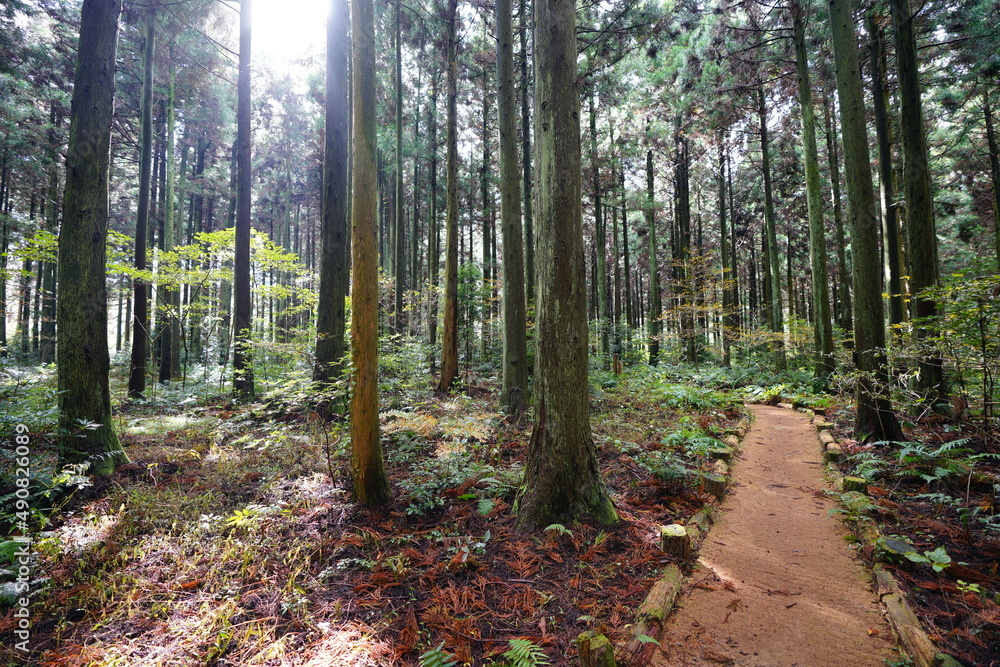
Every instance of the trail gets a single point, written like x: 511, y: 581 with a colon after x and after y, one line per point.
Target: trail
x: 776, y: 583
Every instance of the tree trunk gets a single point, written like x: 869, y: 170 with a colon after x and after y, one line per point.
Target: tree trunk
x: 526, y: 155
x: 433, y: 228
x: 84, y: 362
x: 654, y: 321
x: 399, y: 216
x: 331, y: 318
x: 514, y: 393
x: 562, y: 482
x: 770, y: 227
x: 883, y: 132
x: 600, y: 279
x: 140, y: 312
x: 727, y: 266
x: 47, y: 330
x: 243, y: 382
x: 371, y: 486
x: 875, y: 418
x: 170, y: 348
x: 844, y: 306
x: 449, y: 342
x: 817, y: 231
x: 921, y: 232
x: 994, y: 147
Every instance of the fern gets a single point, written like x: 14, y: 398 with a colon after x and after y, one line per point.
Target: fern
x: 437, y: 657
x: 525, y: 653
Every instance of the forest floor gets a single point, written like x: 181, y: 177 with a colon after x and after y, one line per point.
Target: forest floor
x: 232, y: 540
x: 776, y: 582
x: 228, y: 542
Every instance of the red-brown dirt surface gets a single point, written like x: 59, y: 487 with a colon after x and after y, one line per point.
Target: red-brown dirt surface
x: 777, y: 585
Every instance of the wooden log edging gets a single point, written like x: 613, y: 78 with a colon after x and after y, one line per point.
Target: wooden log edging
x: 682, y: 540
x: 904, y: 621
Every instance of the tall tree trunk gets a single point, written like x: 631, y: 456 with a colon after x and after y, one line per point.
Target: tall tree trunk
x: 514, y: 393
x: 84, y: 362
x: 654, y: 315
x: 844, y: 306
x: 875, y: 419
x: 921, y: 232
x: 770, y: 226
x: 371, y: 486
x: 331, y: 318
x: 727, y: 266
x: 526, y: 155
x: 433, y: 228
x: 47, y: 329
x: 686, y: 278
x: 883, y: 132
x: 243, y: 381
x: 449, y: 349
x: 562, y: 482
x: 817, y: 232
x: 140, y: 312
x: 994, y: 147
x: 600, y: 242
x: 399, y: 216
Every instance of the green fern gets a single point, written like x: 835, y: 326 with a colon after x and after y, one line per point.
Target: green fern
x: 525, y: 653
x: 437, y: 657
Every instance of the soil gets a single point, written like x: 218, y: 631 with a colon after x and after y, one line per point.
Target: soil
x: 777, y: 584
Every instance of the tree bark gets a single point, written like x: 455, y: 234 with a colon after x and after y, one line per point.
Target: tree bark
x: 817, y: 230
x: 514, y: 392
x: 331, y: 318
x: 371, y: 486
x: 526, y: 155
x: 845, y: 308
x: 86, y: 431
x: 399, y: 216
x: 449, y: 337
x: 770, y: 227
x: 994, y: 147
x: 883, y: 132
x: 561, y: 481
x: 140, y: 311
x: 600, y: 242
x: 654, y: 321
x: 243, y: 381
x: 921, y: 232
x: 875, y: 419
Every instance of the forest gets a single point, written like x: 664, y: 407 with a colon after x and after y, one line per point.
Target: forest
x: 344, y: 332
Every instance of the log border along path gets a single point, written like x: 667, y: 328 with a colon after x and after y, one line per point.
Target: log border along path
x: 777, y: 584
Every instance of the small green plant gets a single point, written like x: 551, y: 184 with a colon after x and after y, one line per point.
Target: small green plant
x: 524, y: 653
x: 558, y: 529
x: 937, y: 559
x: 437, y: 657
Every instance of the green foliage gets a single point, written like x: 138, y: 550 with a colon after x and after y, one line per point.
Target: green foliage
x: 524, y: 653
x: 437, y: 657
x: 937, y: 559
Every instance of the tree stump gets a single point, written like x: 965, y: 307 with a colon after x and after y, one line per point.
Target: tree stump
x: 714, y: 484
x: 856, y: 484
x: 724, y: 453
x: 595, y: 650
x: 675, y: 540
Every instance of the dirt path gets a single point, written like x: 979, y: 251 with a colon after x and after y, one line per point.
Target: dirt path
x: 776, y: 584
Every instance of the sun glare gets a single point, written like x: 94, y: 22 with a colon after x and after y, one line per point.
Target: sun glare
x: 285, y: 30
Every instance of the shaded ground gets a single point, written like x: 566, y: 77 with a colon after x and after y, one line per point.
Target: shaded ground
x: 777, y: 584
x: 245, y: 551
